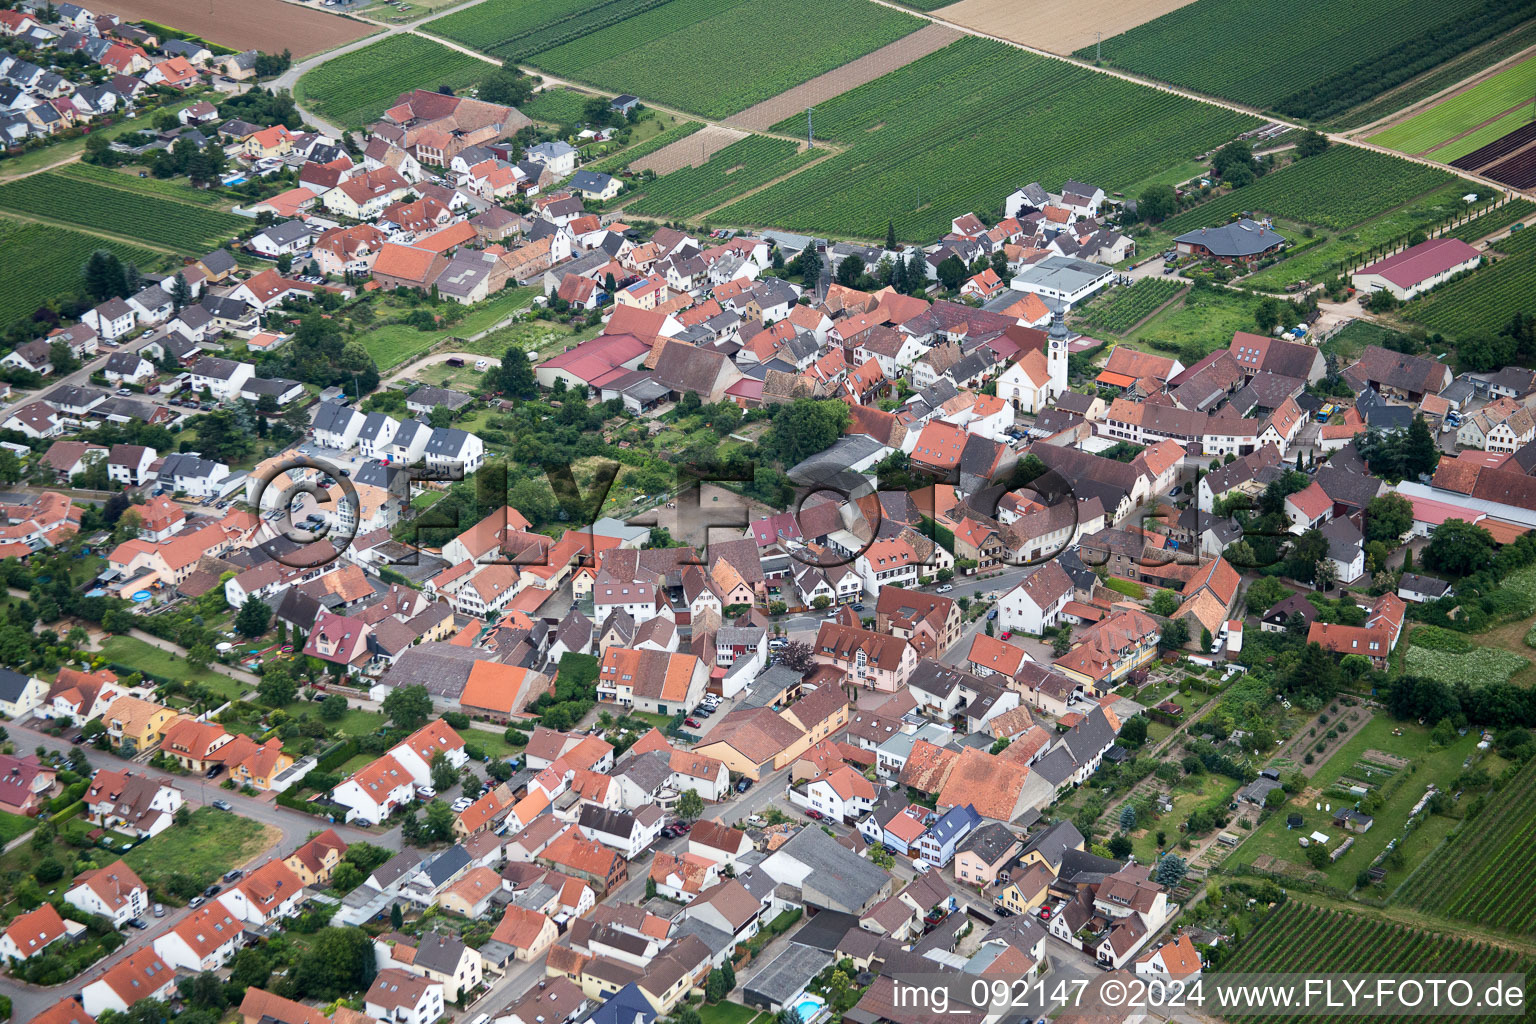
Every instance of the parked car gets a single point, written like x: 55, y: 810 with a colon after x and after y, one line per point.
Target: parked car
x: 196, y: 901
x: 743, y: 785
x: 692, y: 723
x: 222, y: 805
x: 159, y: 909
x: 992, y: 614
x: 1045, y: 913
x: 426, y: 792
x: 813, y: 814
x: 232, y: 874
x: 137, y: 922
x: 212, y: 891
x: 945, y: 588
x: 858, y: 607
x: 1007, y: 634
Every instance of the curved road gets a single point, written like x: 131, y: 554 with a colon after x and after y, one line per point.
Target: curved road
x: 29, y: 1001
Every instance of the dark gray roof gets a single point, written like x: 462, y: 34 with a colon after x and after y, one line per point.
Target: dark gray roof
x: 990, y: 841
x: 1241, y: 238
x: 447, y: 864
x: 441, y: 667
x: 447, y: 441
x: 373, y: 425
x: 1423, y: 584
x: 433, y: 397
x: 12, y: 684
x: 333, y: 417
x: 286, y: 233
x: 1054, y: 842
x: 590, y: 181
x: 439, y: 952
x: 787, y: 974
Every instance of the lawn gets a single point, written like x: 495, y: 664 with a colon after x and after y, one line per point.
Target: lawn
x: 140, y: 656
x: 1129, y: 588
x: 545, y: 337
x: 557, y: 106
x: 1353, y: 339
x: 493, y: 744
x: 357, y: 722
x: 209, y: 844
x: 394, y: 344
x: 1207, y: 317
x: 353, y: 89
x: 1411, y: 741
x: 1490, y: 98
x: 13, y: 825
x: 726, y: 1013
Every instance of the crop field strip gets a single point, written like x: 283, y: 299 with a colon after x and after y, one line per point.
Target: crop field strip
x: 1300, y: 938
x: 177, y: 190
x: 514, y: 30
x: 1486, y: 298
x: 1466, y: 879
x: 1309, y: 58
x: 122, y: 211
x: 41, y: 258
x: 1445, y: 76
x: 1497, y: 149
x: 733, y: 171
x: 939, y: 137
x: 1336, y: 190
x: 1498, y: 99
x: 623, y: 158
x: 1512, y: 212
x: 717, y: 57
x: 1127, y: 307
x: 353, y: 89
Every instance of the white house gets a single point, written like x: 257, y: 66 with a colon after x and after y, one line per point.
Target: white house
x: 375, y: 791
x: 270, y: 893
x: 111, y: 320
x: 841, y: 794
x: 629, y: 832
x: 450, y: 450
x: 1037, y: 601
x: 222, y: 379
x: 204, y: 940
x: 113, y: 892
x: 398, y: 997
x: 417, y: 752
x: 336, y: 425
x: 194, y: 476
x: 127, y: 368
x: 143, y: 975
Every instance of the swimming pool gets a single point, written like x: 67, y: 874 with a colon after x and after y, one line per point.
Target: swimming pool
x: 808, y: 1007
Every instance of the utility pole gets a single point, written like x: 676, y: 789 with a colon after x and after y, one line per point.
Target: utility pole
x: 810, y: 133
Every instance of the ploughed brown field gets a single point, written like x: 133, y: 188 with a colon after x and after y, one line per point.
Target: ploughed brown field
x: 1059, y: 26
x: 271, y: 26
x: 692, y: 151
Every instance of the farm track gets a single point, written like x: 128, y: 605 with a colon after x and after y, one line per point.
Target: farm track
x: 890, y: 57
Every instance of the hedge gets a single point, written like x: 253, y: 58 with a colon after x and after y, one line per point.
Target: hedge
x: 73, y: 809
x: 337, y: 756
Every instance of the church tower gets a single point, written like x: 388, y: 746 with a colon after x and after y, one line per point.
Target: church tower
x: 1056, y: 354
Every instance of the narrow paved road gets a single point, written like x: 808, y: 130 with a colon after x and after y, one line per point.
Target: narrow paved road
x: 28, y: 1001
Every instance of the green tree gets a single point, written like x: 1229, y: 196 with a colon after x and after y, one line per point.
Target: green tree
x: 515, y: 377
x: 804, y: 427
x: 1119, y: 847
x: 1170, y: 870
x: 507, y: 86
x: 690, y: 806
x: 278, y: 687
x: 714, y: 987
x: 1156, y: 203
x: 1264, y: 593
x: 333, y: 708
x: 1175, y: 635
x: 1134, y: 731
x: 850, y: 270
x: 951, y: 272
x: 1061, y: 643
x: 810, y: 268
x: 346, y: 876
x: 1458, y: 548
x: 339, y: 962
x: 408, y: 707
x: 444, y: 775
x: 104, y: 276
x: 1165, y: 603
x: 1127, y: 817
x: 396, y: 917
x: 438, y: 826
x: 1420, y: 453
x: 1311, y: 143
x: 650, y: 888
x: 254, y: 617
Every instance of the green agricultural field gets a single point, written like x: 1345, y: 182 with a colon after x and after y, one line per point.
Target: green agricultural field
x: 1317, y: 58
x: 178, y: 189
x: 1500, y: 97
x: 737, y: 168
x: 516, y: 29
x: 1302, y: 937
x: 1340, y: 188
x: 1124, y: 308
x: 45, y: 262
x: 125, y: 211
x: 1442, y: 77
x: 1483, y: 664
x: 708, y: 55
x: 557, y: 106
x: 1486, y: 298
x: 1475, y: 876
x: 940, y: 137
x: 353, y: 89
x: 1400, y: 792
